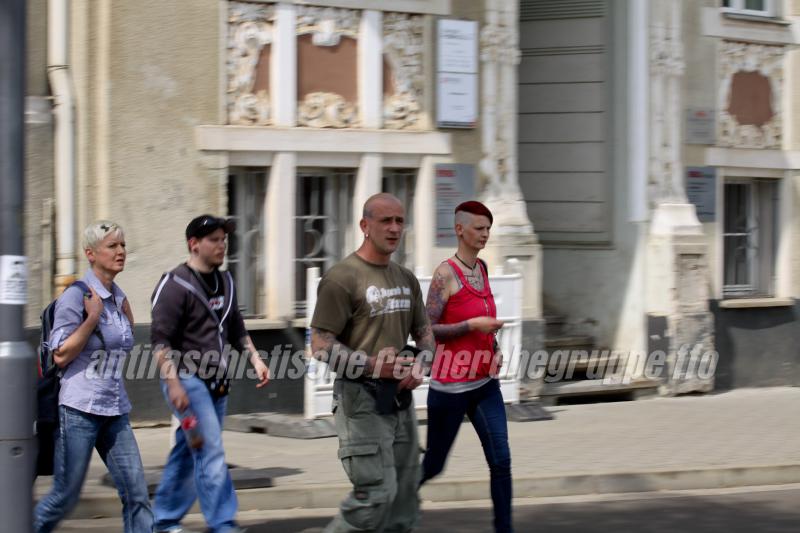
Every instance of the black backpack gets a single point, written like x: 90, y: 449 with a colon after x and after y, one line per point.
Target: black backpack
x: 48, y: 387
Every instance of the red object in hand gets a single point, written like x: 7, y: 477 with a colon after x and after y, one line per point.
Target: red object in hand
x: 190, y: 427
x: 189, y: 422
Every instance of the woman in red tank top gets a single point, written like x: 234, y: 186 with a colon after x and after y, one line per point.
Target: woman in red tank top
x: 463, y: 317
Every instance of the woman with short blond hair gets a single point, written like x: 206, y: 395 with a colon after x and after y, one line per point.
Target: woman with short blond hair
x: 91, y: 336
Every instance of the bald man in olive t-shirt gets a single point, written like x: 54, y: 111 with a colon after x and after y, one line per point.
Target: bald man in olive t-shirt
x: 367, y: 306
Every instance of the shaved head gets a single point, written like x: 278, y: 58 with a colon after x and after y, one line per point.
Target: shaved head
x: 383, y: 199
x: 464, y: 218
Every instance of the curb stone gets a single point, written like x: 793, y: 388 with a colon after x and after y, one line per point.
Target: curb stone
x: 326, y: 496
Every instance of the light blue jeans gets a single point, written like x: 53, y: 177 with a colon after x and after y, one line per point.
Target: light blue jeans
x: 79, y: 433
x: 197, y: 474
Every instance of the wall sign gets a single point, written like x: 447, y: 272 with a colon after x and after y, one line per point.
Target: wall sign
x: 455, y: 183
x: 456, y: 73
x: 13, y: 279
x: 701, y: 188
x: 701, y: 125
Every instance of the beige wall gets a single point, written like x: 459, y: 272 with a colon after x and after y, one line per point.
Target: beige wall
x: 146, y: 74
x: 700, y: 55
x: 38, y: 163
x: 36, y: 74
x: 792, y: 73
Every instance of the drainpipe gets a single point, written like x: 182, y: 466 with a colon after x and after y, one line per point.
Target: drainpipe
x: 64, y: 111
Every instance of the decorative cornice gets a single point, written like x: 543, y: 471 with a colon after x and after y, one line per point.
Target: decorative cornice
x: 326, y: 110
x: 748, y: 57
x: 250, y: 28
x: 327, y: 25
x: 402, y: 45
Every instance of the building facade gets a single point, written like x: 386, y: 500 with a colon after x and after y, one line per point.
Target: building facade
x: 599, y: 124
x: 633, y: 110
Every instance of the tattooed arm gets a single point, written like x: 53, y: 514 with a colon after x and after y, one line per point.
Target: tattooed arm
x: 439, y: 293
x: 443, y: 285
x: 351, y: 363
x: 423, y: 337
x: 425, y: 341
x: 326, y: 348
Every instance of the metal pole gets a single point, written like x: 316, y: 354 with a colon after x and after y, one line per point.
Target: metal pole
x: 17, y: 359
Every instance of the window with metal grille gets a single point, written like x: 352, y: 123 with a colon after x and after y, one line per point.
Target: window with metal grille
x: 401, y: 183
x: 763, y: 8
x: 324, y: 223
x: 750, y: 238
x: 247, y: 188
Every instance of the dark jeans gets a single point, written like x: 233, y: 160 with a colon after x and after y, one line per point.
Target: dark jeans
x: 485, y: 409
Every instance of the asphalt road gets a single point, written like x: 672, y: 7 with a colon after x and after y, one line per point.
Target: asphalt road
x: 772, y: 510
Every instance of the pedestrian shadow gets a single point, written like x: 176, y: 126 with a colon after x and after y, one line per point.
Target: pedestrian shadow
x: 243, y: 478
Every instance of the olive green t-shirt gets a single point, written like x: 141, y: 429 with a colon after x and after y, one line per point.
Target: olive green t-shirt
x: 369, y: 307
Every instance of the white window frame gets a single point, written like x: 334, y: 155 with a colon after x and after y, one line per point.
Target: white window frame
x: 761, y: 264
x: 334, y: 187
x: 748, y: 288
x: 248, y: 269
x: 738, y: 7
x: 402, y: 182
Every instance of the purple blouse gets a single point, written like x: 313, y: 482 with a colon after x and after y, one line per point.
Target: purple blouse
x: 92, y: 382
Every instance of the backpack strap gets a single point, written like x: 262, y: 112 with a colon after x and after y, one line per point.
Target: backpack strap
x: 86, y: 291
x: 231, y: 292
x: 164, y: 280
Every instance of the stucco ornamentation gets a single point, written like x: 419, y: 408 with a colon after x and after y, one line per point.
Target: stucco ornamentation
x: 402, y: 46
x: 250, y: 28
x: 327, y: 25
x: 749, y: 57
x: 326, y: 110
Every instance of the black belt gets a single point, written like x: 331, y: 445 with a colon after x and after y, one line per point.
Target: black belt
x: 387, y: 398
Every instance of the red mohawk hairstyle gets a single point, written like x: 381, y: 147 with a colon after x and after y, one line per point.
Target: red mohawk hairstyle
x: 476, y: 208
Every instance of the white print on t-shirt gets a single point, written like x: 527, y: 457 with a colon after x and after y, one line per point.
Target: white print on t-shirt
x: 386, y: 301
x: 216, y: 302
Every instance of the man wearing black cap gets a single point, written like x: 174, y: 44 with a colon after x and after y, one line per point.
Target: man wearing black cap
x: 195, y: 315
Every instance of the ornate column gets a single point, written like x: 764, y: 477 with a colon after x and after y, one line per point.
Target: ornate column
x: 370, y: 95
x: 279, y: 205
x: 677, y: 268
x: 514, y: 245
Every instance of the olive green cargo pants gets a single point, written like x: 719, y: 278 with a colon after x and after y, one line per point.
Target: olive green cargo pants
x: 380, y: 454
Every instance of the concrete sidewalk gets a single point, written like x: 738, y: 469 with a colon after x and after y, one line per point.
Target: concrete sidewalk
x: 738, y: 438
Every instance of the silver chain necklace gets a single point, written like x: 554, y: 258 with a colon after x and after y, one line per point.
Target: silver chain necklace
x: 205, y: 285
